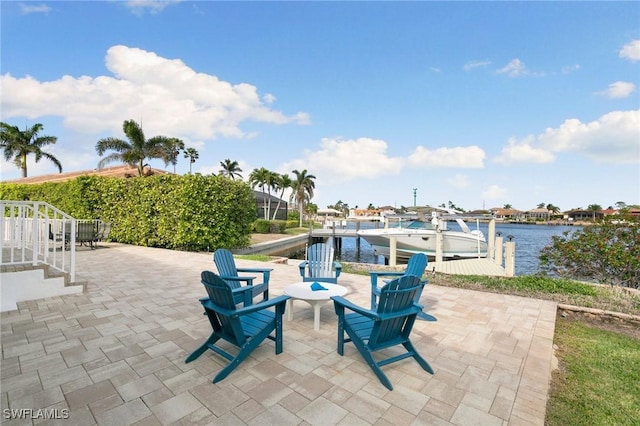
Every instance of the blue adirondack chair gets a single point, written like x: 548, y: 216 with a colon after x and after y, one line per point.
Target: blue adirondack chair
x: 416, y: 266
x: 320, y: 264
x: 228, y: 271
x: 389, y: 325
x: 244, y: 328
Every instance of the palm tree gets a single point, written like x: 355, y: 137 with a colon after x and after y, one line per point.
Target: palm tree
x: 192, y: 155
x: 136, y: 150
x: 282, y: 183
x: 174, y: 147
x: 18, y: 145
x: 507, y: 207
x: 231, y: 169
x: 594, y: 208
x: 262, y: 178
x: 553, y: 209
x: 303, y: 186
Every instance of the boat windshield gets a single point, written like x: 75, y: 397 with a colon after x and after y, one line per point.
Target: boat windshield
x: 414, y: 224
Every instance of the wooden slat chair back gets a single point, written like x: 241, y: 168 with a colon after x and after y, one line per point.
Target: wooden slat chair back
x: 389, y: 325
x: 320, y: 264
x: 417, y: 265
x: 228, y: 271
x: 244, y: 327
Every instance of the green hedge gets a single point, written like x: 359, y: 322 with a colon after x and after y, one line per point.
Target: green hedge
x: 263, y: 226
x: 191, y: 212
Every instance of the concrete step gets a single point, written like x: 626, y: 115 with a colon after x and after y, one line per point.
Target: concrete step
x: 28, y: 282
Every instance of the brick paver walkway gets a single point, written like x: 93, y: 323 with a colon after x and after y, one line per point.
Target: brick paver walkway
x: 115, y: 356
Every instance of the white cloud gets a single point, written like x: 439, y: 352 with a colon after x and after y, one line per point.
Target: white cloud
x: 515, y: 68
x: 27, y: 8
x: 167, y: 96
x: 631, y: 51
x: 138, y: 7
x: 523, y: 152
x: 459, y: 181
x: 462, y: 157
x: 613, y: 138
x: 494, y: 192
x: 339, y: 160
x: 475, y: 64
x: 568, y: 69
x: 619, y: 89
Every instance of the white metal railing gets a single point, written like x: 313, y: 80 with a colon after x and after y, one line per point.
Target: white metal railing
x: 36, y: 232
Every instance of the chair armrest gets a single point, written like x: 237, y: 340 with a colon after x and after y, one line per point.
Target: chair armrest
x: 249, y: 280
x: 242, y: 289
x: 262, y: 305
x: 303, y: 265
x: 414, y: 309
x: 255, y: 269
x: 265, y: 272
x: 386, y: 273
x: 341, y: 303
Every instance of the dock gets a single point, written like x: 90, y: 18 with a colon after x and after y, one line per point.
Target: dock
x: 480, y: 266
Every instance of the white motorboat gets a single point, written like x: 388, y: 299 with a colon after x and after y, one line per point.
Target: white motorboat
x: 421, y: 237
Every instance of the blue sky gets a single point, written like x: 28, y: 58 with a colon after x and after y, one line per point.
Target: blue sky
x: 477, y: 103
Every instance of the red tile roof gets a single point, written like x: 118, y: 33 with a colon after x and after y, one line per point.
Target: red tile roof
x: 123, y: 171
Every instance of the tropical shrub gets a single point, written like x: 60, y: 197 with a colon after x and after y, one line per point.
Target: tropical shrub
x: 261, y: 226
x: 192, y: 212
x: 607, y: 252
x: 278, y: 226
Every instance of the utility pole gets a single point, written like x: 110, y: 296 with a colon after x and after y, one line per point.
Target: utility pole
x: 414, y: 196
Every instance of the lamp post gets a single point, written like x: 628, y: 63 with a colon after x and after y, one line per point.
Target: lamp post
x: 414, y: 196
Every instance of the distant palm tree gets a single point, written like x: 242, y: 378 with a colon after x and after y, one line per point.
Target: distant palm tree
x: 281, y: 183
x: 17, y: 145
x: 174, y: 147
x: 303, y: 186
x: 192, y: 155
x: 594, y: 208
x: 553, y: 209
x: 136, y: 150
x: 230, y: 169
x: 507, y: 207
x: 262, y: 178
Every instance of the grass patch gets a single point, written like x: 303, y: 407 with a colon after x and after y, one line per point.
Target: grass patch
x: 296, y: 231
x: 536, y: 286
x: 598, y: 382
x: 257, y: 257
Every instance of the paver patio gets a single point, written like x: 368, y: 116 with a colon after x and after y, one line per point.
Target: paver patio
x: 115, y: 355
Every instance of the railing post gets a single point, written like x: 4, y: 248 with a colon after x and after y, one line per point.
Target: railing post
x: 2, y: 225
x: 72, y: 248
x: 498, y: 249
x: 392, y: 250
x: 35, y: 235
x: 491, y: 249
x: 510, y: 262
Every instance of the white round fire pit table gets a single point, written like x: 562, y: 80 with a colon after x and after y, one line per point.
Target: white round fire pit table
x: 316, y: 298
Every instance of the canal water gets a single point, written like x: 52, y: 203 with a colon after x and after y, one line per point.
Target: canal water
x: 529, y: 239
